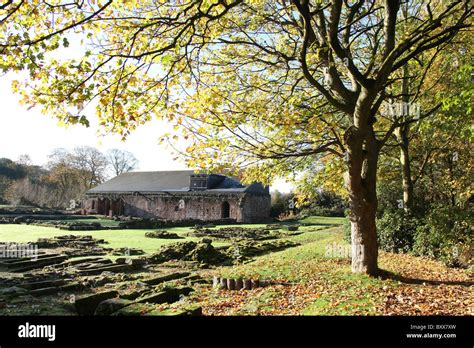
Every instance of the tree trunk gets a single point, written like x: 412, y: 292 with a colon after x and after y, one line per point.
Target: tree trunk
x: 407, y: 183
x: 402, y: 134
x: 361, y: 181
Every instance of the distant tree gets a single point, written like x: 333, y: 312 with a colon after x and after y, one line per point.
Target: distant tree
x: 11, y: 170
x: 324, y: 203
x: 67, y: 175
x: 24, y: 160
x: 59, y: 155
x: 91, y: 163
x: 121, y: 161
x: 67, y: 182
x: 4, y: 184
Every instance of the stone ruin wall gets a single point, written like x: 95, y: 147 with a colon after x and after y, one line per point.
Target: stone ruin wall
x: 179, y: 207
x: 255, y: 208
x: 242, y: 207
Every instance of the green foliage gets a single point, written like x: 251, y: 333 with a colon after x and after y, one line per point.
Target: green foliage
x: 396, y: 230
x: 325, y: 204
x: 390, y: 194
x: 281, y: 203
x: 11, y: 170
x: 446, y: 234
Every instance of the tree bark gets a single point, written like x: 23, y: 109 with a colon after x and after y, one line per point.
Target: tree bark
x: 402, y: 134
x: 407, y: 183
x: 361, y: 180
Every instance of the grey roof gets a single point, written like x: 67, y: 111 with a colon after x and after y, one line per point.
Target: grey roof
x: 175, y: 181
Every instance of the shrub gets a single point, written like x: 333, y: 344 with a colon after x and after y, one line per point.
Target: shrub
x: 389, y: 196
x: 446, y: 235
x: 280, y: 204
x: 396, y: 230
x: 323, y: 211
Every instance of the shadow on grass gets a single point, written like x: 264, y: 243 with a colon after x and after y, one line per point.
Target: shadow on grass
x: 397, y: 277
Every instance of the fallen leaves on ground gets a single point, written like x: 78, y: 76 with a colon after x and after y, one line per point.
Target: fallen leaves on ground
x: 427, y: 287
x: 418, y: 286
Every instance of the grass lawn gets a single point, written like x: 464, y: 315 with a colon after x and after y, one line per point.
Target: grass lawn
x: 115, y: 238
x: 323, y: 220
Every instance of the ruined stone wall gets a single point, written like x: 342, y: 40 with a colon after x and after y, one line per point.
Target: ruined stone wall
x: 181, y: 207
x: 255, y: 208
x: 241, y: 207
x: 90, y: 205
x: 103, y: 205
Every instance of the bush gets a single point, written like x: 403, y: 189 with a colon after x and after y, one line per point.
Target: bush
x: 390, y: 194
x: 446, y: 235
x: 323, y: 211
x: 325, y: 204
x: 396, y: 230
x: 280, y: 204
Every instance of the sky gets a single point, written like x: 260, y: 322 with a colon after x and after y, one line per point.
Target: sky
x: 30, y: 132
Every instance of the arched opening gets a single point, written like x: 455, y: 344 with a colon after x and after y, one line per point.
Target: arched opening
x: 225, y: 210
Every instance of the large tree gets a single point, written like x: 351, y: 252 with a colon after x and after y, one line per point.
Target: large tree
x: 267, y: 85
x: 121, y: 161
x: 91, y: 163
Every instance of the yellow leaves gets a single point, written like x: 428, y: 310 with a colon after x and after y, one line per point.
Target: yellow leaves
x: 15, y: 85
x: 234, y: 116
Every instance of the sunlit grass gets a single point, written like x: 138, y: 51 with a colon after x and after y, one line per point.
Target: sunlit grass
x: 114, y: 238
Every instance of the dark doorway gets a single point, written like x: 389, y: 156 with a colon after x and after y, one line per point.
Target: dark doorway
x: 101, y: 206
x: 225, y: 210
x: 117, y: 207
x: 107, y: 207
x: 110, y: 207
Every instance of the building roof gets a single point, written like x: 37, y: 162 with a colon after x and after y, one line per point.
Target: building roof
x: 176, y: 181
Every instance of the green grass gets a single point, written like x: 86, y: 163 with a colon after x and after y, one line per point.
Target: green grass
x: 324, y: 220
x: 282, y: 264
x: 136, y: 238
x: 115, y: 238
x: 338, y: 291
